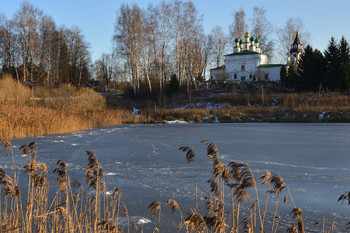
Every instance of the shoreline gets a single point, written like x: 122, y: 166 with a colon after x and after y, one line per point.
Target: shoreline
x: 63, y: 122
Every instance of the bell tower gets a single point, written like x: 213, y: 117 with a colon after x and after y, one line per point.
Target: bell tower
x: 295, y: 50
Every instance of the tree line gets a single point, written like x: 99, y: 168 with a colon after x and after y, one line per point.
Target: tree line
x: 151, y: 45
x: 168, y: 39
x: 34, y: 49
x: 318, y: 71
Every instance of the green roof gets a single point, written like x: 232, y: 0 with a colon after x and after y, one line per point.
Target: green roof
x: 244, y: 52
x: 270, y: 65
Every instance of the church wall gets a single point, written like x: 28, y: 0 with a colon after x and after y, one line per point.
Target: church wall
x: 243, y: 67
x: 271, y: 73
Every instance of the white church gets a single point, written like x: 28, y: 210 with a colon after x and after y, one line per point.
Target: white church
x: 247, y: 63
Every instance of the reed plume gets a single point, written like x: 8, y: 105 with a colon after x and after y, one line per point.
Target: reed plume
x: 154, y: 207
x: 298, y: 214
x: 195, y: 221
x: 174, y: 206
x: 190, y: 157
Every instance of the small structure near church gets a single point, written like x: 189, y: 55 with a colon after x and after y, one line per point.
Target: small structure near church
x: 247, y: 63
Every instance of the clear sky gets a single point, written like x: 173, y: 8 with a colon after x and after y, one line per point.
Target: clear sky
x: 96, y: 18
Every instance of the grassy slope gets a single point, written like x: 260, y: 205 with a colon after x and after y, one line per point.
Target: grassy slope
x: 64, y: 110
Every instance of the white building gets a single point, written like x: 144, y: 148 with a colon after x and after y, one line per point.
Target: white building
x: 247, y: 63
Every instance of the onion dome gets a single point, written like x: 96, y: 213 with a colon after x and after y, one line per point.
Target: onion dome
x: 246, y: 35
x: 257, y: 40
x: 252, y: 39
x: 241, y: 41
x: 237, y: 40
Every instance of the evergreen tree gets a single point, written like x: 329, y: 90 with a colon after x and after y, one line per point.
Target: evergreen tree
x: 344, y: 65
x: 174, y: 85
x: 283, y: 75
x: 310, y: 71
x: 291, y: 81
x: 332, y: 65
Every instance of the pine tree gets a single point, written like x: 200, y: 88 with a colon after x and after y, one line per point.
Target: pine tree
x: 291, y: 81
x: 332, y: 65
x: 283, y: 75
x: 344, y: 60
x: 174, y: 85
x: 310, y: 71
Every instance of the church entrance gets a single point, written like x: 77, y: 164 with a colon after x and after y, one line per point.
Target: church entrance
x: 242, y: 78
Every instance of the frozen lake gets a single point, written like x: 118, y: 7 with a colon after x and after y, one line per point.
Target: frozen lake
x: 146, y: 163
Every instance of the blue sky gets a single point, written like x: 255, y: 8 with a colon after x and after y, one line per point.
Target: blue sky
x: 96, y: 18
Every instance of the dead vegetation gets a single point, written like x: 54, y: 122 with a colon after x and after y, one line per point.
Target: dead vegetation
x: 63, y: 110
x: 26, y: 112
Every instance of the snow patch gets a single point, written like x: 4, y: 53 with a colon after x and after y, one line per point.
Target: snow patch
x: 217, y: 119
x: 143, y: 221
x: 135, y: 111
x: 58, y: 141
x: 322, y: 116
x: 111, y: 174
x: 177, y: 122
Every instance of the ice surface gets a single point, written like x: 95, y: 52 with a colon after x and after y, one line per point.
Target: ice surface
x: 146, y: 163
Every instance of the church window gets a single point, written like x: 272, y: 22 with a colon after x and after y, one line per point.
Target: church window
x: 235, y: 76
x: 250, y: 76
x: 242, y: 67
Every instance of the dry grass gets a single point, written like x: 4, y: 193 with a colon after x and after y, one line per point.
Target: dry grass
x: 17, y: 122
x: 12, y: 92
x: 56, y: 111
x: 68, y: 98
x: 255, y: 107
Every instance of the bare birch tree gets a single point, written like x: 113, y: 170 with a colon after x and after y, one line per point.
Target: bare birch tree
x: 127, y: 40
x: 286, y: 37
x: 187, y: 25
x: 8, y: 52
x: 220, y: 41
x: 165, y: 38
x: 104, y: 68
x: 262, y: 29
x: 237, y: 28
x: 26, y: 23
x: 48, y: 49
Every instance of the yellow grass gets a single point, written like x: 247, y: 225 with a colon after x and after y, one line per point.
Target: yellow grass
x: 56, y: 111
